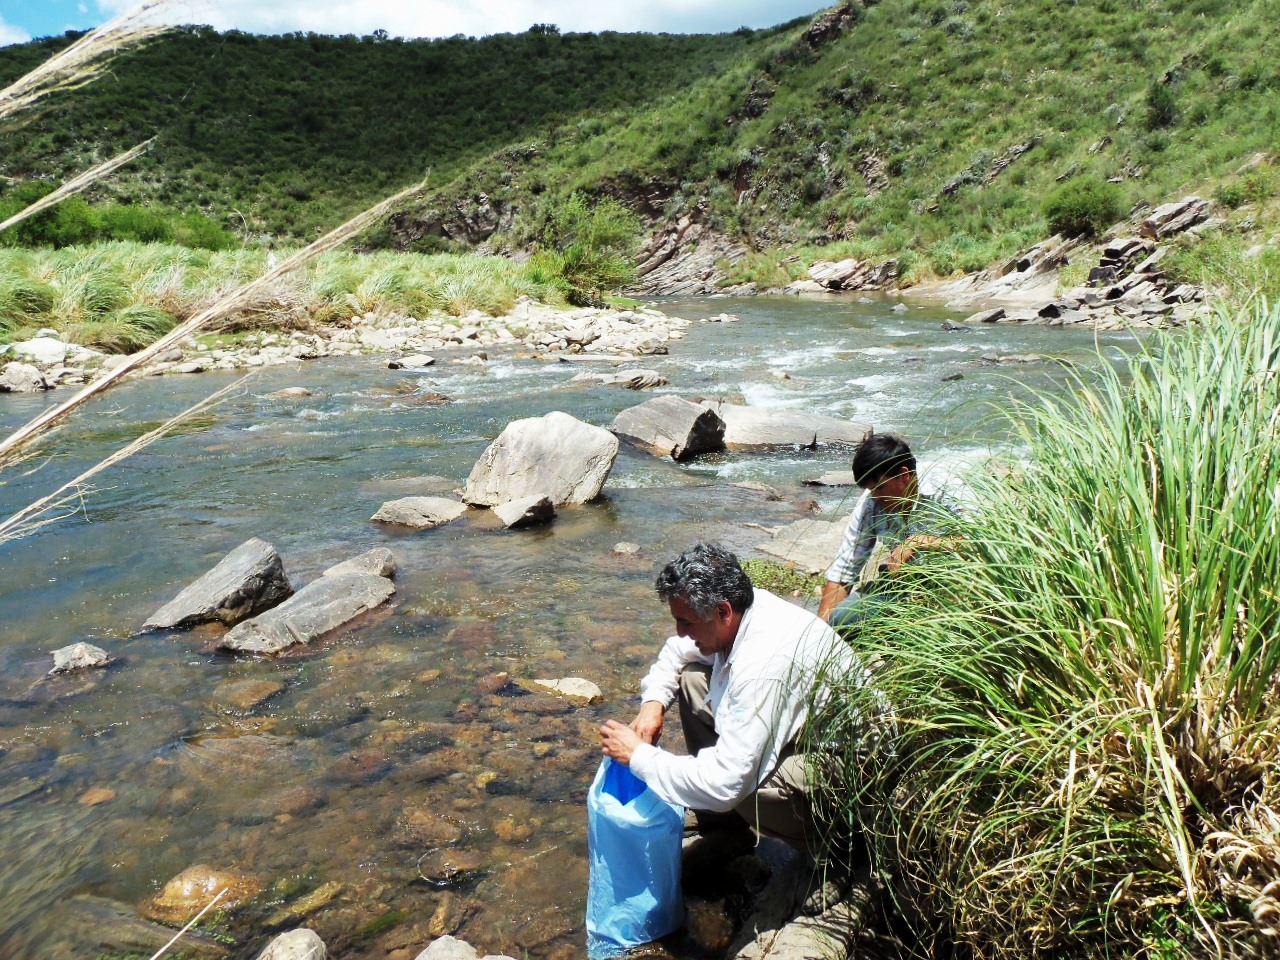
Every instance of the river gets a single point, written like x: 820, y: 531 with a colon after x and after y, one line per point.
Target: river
x: 383, y: 758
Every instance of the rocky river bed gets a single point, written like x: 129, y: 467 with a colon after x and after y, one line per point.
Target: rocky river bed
x: 390, y: 783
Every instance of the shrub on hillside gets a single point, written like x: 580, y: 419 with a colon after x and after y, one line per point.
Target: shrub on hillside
x: 590, y: 246
x: 1084, y: 206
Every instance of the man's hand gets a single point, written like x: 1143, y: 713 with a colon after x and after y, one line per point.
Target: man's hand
x: 833, y: 594
x: 905, y: 552
x: 648, y: 723
x: 618, y: 741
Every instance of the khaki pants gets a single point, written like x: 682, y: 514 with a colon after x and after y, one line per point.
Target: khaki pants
x: 780, y: 806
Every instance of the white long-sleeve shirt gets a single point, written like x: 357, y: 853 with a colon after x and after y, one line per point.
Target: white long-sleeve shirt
x: 759, y: 697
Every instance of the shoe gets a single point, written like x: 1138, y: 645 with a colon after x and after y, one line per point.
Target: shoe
x: 706, y: 855
x: 826, y: 889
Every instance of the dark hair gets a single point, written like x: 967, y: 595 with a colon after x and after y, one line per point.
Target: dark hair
x: 880, y: 456
x: 704, y: 576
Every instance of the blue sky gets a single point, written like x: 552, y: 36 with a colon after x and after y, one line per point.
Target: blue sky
x: 21, y: 20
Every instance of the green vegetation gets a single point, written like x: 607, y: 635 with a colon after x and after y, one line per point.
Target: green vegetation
x: 590, y: 249
x: 1086, y: 690
x: 930, y: 131
x: 1083, y: 207
x: 122, y: 296
x: 74, y: 221
x: 781, y: 579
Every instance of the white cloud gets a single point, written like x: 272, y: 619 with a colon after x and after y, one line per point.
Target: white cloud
x: 11, y: 34
x: 435, y: 18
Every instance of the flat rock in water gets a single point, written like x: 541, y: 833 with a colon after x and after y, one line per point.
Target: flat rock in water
x: 288, y: 392
x: 833, y: 478
x: 78, y: 656
x: 672, y: 426
x: 318, y: 608
x: 300, y: 944
x: 416, y: 361
x: 630, y: 379
x: 249, y: 579
x: 421, y: 513
x: 556, y: 455
x: 191, y: 891
x: 87, y: 926
x: 809, y: 544
x: 525, y: 512
x: 379, y: 560
x: 245, y: 695
x: 754, y: 428
x: 575, y: 689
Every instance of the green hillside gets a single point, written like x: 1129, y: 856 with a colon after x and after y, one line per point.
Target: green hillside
x: 928, y: 130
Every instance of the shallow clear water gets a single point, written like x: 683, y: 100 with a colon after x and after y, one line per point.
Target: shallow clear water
x: 368, y: 768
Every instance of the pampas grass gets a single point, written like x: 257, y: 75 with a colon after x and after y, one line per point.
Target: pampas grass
x: 1087, y: 690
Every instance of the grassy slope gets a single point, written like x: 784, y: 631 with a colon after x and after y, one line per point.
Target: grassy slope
x: 293, y: 132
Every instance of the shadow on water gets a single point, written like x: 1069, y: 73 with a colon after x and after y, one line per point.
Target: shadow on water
x: 383, y: 785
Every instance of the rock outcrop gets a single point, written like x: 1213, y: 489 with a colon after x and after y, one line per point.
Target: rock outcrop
x: 1172, y: 218
x: 758, y: 429
x: 249, y: 579
x: 421, y: 513
x: 557, y: 456
x: 669, y: 426
x: 320, y: 607
x: 851, y: 274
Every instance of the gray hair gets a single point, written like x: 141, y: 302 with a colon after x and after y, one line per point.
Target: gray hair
x: 705, y: 576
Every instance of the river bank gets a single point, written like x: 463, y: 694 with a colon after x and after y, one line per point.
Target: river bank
x: 378, y: 739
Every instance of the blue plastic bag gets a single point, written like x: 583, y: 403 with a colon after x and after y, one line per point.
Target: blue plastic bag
x: 633, y: 837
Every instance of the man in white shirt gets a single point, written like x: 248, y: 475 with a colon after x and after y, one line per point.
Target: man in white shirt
x: 742, y: 666
x: 892, y: 520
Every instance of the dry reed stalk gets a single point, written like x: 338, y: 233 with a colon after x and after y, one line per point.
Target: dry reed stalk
x: 24, y: 521
x: 81, y: 62
x: 190, y: 923
x: 235, y: 301
x: 76, y: 185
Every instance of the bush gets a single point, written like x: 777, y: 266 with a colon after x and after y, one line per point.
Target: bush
x: 1162, y: 108
x: 1084, y: 206
x: 591, y: 246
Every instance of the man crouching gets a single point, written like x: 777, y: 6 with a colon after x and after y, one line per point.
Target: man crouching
x: 742, y: 667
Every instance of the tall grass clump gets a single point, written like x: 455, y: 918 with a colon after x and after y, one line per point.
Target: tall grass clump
x: 1088, y: 711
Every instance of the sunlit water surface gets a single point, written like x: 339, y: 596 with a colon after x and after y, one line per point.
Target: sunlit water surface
x: 385, y: 758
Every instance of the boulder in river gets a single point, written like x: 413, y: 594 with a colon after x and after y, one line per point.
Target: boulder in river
x: 422, y: 513
x: 379, y: 560
x: 630, y: 379
x: 672, y: 426
x: 22, y: 378
x: 525, y: 512
x: 556, y: 455
x: 320, y: 607
x: 194, y: 888
x: 758, y: 429
x: 249, y: 579
x: 300, y: 944
x: 78, y: 656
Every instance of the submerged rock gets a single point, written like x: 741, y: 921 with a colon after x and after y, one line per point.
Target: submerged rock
x: 78, y: 656
x: 245, y: 695
x: 672, y: 426
x: 320, y: 607
x: 249, y: 579
x: 422, y: 513
x: 525, y: 512
x: 194, y: 888
x: 556, y: 455
x: 574, y: 689
x: 300, y: 944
